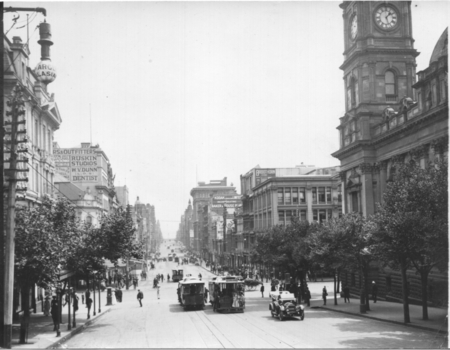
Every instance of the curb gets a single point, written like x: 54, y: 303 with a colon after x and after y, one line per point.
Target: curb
x: 384, y: 320
x: 76, y: 331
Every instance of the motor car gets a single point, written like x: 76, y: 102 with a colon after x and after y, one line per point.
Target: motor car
x: 284, y: 305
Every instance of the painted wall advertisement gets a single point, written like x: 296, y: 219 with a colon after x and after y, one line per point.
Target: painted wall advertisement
x: 77, y: 164
x: 227, y: 201
x: 219, y: 227
x: 262, y: 175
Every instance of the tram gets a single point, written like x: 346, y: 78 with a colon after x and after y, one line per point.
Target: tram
x: 227, y: 293
x: 191, y: 293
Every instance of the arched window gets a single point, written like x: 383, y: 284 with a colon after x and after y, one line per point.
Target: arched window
x: 89, y: 220
x: 352, y: 93
x: 389, y: 86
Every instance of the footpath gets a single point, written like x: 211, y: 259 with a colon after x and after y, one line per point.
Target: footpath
x: 381, y: 310
x: 41, y: 334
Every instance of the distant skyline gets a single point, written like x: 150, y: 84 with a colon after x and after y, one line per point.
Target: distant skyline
x: 187, y: 91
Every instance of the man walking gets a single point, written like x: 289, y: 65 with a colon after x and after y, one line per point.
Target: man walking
x: 346, y: 290
x: 262, y: 291
x: 157, y: 289
x: 324, y: 295
x: 140, y: 296
x: 88, y: 305
x: 307, y: 296
x: 374, y: 291
x: 55, y: 315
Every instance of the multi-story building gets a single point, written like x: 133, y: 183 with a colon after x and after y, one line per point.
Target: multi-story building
x: 202, y: 196
x: 41, y: 115
x: 186, y: 227
x: 42, y: 119
x: 88, y: 168
x: 122, y: 194
x: 273, y: 196
x: 389, y: 115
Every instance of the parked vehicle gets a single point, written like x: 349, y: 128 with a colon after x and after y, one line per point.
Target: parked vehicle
x: 227, y: 293
x: 177, y: 259
x: 170, y: 257
x: 283, y: 305
x: 177, y: 275
x: 191, y: 293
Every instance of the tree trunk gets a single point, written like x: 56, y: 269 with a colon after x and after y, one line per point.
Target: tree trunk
x: 335, y: 293
x: 405, y: 292
x: 26, y: 313
x: 424, y: 282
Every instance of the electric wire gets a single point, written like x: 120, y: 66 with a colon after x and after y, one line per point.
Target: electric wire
x: 14, y: 23
x: 26, y: 45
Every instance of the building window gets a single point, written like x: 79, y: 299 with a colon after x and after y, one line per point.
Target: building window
x: 322, y: 215
x: 340, y: 193
x: 419, y: 98
x: 434, y: 95
x: 314, y: 195
x: 295, y: 195
x: 280, y: 196
x: 389, y: 86
x: 270, y: 219
x: 321, y: 191
x: 44, y: 142
x: 302, y: 195
x: 287, y: 195
x: 288, y: 217
x: 303, y: 215
x: 36, y: 133
x: 443, y: 90
x: 354, y: 92
x: 89, y: 220
x: 328, y: 195
x: 49, y: 140
x: 329, y: 214
x: 281, y: 217
x: 355, y: 202
x: 314, y: 214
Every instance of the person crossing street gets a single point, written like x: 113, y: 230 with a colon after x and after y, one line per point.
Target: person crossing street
x: 140, y: 296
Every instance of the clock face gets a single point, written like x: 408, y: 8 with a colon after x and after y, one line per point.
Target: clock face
x: 354, y: 27
x: 386, y: 17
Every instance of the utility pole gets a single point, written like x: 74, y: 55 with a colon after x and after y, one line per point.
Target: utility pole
x: 16, y: 105
x: 224, y: 228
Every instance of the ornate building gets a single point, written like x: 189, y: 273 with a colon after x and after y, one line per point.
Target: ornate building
x: 389, y: 115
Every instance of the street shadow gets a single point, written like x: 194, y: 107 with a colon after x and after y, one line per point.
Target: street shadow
x: 175, y: 308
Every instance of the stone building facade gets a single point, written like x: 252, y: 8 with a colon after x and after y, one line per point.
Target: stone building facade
x: 390, y: 115
x: 273, y: 196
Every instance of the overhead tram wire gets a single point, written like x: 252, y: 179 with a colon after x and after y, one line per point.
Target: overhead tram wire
x: 32, y: 34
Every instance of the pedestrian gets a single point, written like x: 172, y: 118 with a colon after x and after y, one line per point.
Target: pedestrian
x: 134, y: 283
x: 346, y: 291
x: 140, y: 296
x: 307, y: 296
x: 262, y: 291
x: 168, y: 277
x: 374, y: 291
x: 200, y: 276
x: 75, y: 302
x: 47, y: 305
x: 206, y: 295
x: 162, y: 277
x: 88, y: 305
x: 273, y: 288
x: 157, y: 290
x: 55, y: 314
x: 324, y: 295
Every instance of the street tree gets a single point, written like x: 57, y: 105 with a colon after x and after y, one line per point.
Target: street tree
x: 412, y: 224
x: 43, y: 244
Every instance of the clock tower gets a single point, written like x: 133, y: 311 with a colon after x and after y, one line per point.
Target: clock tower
x: 379, y: 57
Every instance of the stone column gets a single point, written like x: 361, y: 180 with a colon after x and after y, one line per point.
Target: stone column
x: 309, y: 213
x: 367, y: 202
x: 343, y: 177
x: 383, y: 177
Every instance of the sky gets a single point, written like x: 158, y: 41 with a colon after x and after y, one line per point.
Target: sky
x: 181, y: 92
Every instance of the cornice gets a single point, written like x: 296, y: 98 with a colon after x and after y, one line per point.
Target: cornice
x: 377, y: 51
